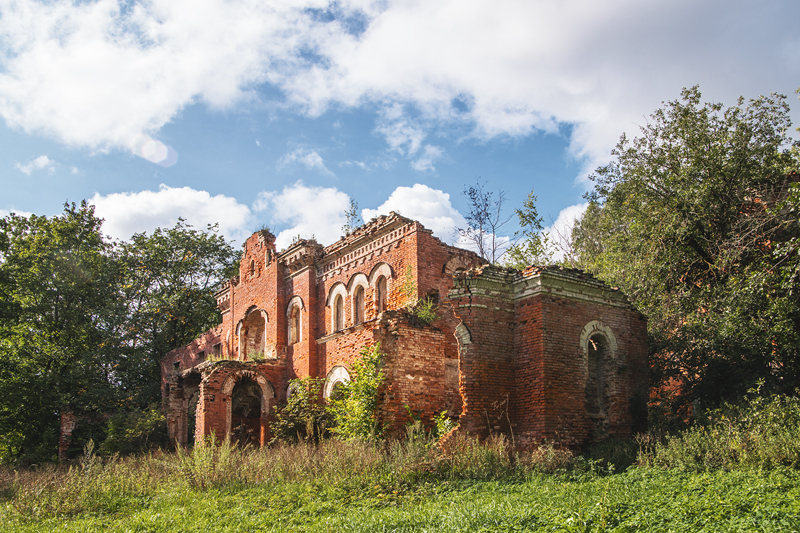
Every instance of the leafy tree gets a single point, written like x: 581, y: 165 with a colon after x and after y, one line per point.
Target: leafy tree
x: 484, y: 220
x: 85, y: 322
x: 531, y: 246
x: 304, y: 417
x: 354, y: 407
x: 688, y: 220
x: 352, y: 218
x: 57, y: 347
x: 168, y: 282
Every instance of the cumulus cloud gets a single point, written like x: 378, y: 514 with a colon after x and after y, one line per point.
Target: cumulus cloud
x: 135, y: 212
x: 425, y: 162
x: 5, y: 212
x: 100, y: 74
x: 40, y: 163
x: 305, y: 157
x: 431, y: 207
x: 559, y: 232
x: 308, y: 211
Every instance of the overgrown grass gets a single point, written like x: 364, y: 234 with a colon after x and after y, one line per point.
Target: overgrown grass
x: 763, y: 432
x: 736, y: 473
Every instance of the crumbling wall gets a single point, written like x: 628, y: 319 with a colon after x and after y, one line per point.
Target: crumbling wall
x: 482, y: 300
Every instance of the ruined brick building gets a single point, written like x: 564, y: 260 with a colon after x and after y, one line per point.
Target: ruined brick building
x: 547, y: 353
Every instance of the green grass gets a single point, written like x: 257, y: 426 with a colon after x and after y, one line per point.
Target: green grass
x: 641, y: 499
x: 736, y: 472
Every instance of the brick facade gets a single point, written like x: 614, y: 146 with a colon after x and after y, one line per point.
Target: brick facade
x: 542, y: 354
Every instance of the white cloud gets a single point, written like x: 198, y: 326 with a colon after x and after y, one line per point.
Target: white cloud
x: 5, y: 212
x: 402, y: 134
x: 40, y: 163
x: 100, y: 74
x: 136, y: 212
x: 431, y: 207
x: 559, y: 233
x: 425, y: 162
x: 305, y: 157
x: 308, y: 211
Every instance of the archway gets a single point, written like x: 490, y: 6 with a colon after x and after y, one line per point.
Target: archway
x: 246, y: 400
x: 337, y: 377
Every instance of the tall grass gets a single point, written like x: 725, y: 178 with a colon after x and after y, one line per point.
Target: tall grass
x: 763, y: 432
x: 349, y: 467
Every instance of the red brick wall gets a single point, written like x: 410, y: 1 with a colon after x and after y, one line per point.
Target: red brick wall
x: 525, y: 345
x: 522, y: 368
x: 487, y: 362
x: 188, y: 356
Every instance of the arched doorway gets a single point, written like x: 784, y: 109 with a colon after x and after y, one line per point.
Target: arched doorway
x: 246, y: 412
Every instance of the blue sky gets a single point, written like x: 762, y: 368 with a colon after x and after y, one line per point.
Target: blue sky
x: 251, y: 113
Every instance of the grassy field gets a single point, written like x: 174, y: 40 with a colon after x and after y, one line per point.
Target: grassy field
x: 641, y: 499
x: 736, y: 472
x: 356, y: 487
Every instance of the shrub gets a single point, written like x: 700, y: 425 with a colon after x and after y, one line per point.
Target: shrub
x: 304, y: 417
x: 135, y: 431
x: 763, y: 432
x: 355, y: 409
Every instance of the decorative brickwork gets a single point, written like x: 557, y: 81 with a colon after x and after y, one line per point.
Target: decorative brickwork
x: 541, y: 354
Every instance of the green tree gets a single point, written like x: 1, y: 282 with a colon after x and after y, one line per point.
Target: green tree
x: 168, y: 283
x: 531, y: 246
x: 85, y: 322
x: 687, y: 220
x: 57, y: 340
x: 352, y: 218
x: 304, y: 417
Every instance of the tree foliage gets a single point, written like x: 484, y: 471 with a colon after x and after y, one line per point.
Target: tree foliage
x: 694, y: 220
x: 167, y: 284
x: 86, y: 321
x: 531, y: 246
x: 354, y: 407
x: 304, y: 417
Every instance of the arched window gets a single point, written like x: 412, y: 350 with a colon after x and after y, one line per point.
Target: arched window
x: 337, y: 377
x: 338, y: 313
x: 595, y: 382
x: 358, y: 305
x: 252, y: 335
x: 294, y: 325
x: 380, y: 294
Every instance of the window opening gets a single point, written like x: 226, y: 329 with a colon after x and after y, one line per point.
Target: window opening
x: 294, y: 325
x: 595, y: 382
x: 338, y: 313
x: 359, y: 305
x: 381, y: 296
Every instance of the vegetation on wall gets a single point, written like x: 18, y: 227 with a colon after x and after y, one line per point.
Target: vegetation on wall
x: 354, y: 406
x: 304, y: 416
